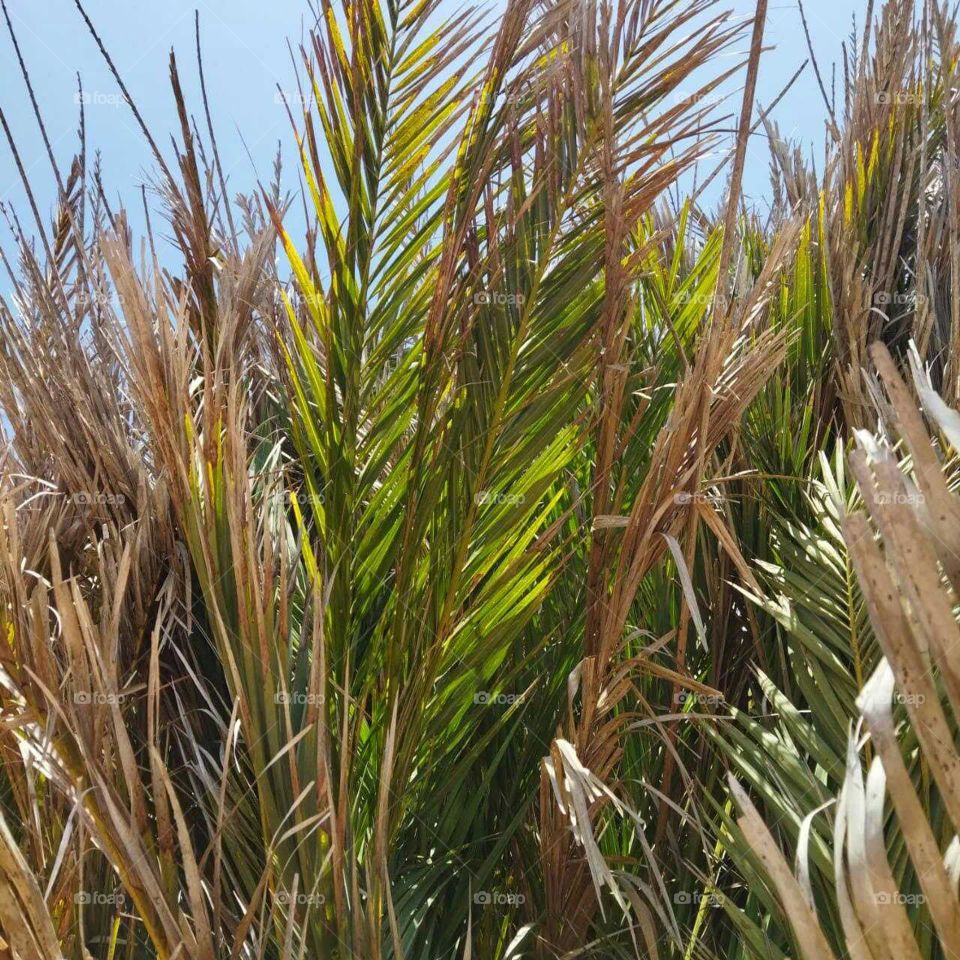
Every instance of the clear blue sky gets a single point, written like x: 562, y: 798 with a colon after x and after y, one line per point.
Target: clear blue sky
x: 245, y: 58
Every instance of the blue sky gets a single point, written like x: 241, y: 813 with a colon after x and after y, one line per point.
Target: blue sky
x: 245, y: 58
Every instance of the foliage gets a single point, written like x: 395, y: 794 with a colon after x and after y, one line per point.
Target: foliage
x: 420, y: 604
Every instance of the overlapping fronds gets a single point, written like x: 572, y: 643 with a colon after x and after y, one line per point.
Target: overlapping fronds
x: 417, y: 605
x: 891, y: 887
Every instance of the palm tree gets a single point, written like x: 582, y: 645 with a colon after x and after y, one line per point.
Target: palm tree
x: 417, y: 606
